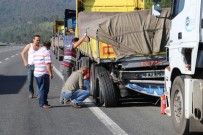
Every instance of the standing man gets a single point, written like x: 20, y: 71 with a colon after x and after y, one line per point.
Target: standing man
x: 70, y: 57
x: 43, y: 73
x: 69, y: 60
x: 30, y: 49
x: 74, y: 88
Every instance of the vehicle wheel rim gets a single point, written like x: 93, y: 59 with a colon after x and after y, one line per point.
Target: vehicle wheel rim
x: 178, y: 106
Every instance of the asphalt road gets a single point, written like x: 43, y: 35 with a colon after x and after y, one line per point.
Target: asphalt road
x: 22, y: 116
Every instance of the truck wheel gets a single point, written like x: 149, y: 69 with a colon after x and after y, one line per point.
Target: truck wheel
x: 180, y: 123
x: 94, y: 85
x: 98, y: 94
x: 94, y: 82
x: 92, y: 79
x: 107, y: 92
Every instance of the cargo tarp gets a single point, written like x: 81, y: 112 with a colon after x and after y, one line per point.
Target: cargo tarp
x: 129, y: 33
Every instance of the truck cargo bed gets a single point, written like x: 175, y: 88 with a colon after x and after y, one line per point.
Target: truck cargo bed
x: 129, y: 33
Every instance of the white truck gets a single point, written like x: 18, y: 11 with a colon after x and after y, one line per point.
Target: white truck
x: 184, y: 75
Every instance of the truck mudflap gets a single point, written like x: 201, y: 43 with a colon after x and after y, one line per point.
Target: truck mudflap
x: 152, y: 90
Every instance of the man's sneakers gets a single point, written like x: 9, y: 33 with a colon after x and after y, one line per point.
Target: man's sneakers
x: 61, y: 100
x: 66, y: 102
x: 45, y: 106
x: 75, y: 105
x: 30, y: 96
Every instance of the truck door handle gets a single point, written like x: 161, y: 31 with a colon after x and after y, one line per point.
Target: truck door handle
x: 180, y: 35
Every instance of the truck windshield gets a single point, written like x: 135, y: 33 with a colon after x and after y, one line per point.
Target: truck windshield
x: 177, y: 7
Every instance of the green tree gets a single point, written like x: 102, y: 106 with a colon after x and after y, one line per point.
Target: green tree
x: 164, y: 3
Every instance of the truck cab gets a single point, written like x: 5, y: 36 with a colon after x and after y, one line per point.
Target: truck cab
x: 184, y: 75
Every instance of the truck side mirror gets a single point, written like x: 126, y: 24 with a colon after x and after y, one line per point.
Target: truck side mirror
x: 156, y: 9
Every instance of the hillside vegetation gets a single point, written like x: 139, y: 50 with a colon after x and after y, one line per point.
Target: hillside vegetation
x: 21, y: 19
x: 164, y: 4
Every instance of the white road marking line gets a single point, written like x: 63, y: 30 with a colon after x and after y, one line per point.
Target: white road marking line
x: 13, y: 56
x: 7, y: 59
x: 57, y: 72
x: 0, y: 62
x: 107, y: 121
x: 16, y: 54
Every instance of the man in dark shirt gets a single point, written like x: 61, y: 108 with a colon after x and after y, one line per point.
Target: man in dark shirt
x: 70, y: 57
x: 69, y: 60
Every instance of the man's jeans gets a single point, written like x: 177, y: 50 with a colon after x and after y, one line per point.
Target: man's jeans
x: 87, y: 84
x: 43, y: 85
x: 30, y: 77
x: 79, y: 95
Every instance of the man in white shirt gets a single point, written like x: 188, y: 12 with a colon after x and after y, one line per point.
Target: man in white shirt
x: 30, y: 49
x: 43, y: 73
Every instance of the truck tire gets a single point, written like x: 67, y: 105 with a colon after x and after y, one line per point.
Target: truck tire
x: 180, y: 123
x: 92, y: 79
x: 107, y: 92
x: 94, y: 84
x: 96, y: 90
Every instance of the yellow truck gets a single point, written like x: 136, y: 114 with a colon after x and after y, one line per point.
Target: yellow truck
x: 63, y: 33
x: 125, y: 51
x: 57, y: 39
x: 133, y: 51
x: 102, y: 8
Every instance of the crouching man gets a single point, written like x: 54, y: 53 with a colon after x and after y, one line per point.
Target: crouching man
x: 74, y: 88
